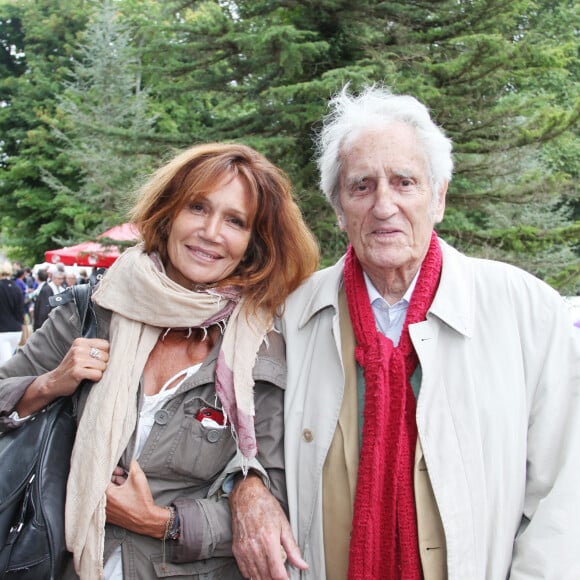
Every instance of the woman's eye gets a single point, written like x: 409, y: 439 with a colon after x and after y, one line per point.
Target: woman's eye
x: 239, y: 223
x: 196, y: 207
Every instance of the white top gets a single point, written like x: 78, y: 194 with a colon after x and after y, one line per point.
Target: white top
x: 113, y: 569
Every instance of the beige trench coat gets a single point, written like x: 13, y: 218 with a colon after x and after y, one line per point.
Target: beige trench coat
x: 498, y: 416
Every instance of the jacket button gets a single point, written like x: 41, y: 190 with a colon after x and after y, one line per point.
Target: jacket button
x: 213, y: 435
x: 119, y: 533
x: 162, y: 417
x: 308, y: 435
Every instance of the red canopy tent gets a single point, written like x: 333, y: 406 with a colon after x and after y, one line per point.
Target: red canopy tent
x: 95, y: 254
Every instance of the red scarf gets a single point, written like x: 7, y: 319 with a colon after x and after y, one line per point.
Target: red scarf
x: 384, y: 540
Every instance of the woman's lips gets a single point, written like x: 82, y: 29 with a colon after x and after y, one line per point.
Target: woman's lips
x: 205, y: 255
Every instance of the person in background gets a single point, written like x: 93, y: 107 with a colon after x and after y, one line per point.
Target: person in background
x: 31, y: 288
x: 29, y: 279
x: 70, y: 280
x: 56, y: 279
x: 83, y: 276
x: 189, y: 373
x: 50, y: 284
x: 19, y: 279
x: 432, y: 412
x: 11, y: 313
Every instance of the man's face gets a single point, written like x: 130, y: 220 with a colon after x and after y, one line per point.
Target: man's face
x: 387, y: 204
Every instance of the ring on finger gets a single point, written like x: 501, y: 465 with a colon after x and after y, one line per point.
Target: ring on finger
x: 95, y: 353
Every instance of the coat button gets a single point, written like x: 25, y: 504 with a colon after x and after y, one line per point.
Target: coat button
x: 213, y: 435
x: 162, y: 417
x: 308, y: 435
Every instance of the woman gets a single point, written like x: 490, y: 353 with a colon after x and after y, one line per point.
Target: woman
x: 11, y: 313
x: 185, y: 322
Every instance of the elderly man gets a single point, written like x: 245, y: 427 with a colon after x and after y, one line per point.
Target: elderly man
x: 432, y: 406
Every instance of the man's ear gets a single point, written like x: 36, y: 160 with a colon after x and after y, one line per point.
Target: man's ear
x: 439, y: 206
x: 340, y: 219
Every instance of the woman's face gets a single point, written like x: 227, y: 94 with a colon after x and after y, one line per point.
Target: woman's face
x: 209, y: 236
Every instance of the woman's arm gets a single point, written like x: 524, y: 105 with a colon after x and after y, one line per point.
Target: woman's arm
x: 205, y: 523
x: 52, y: 363
x: 130, y: 504
x: 77, y: 365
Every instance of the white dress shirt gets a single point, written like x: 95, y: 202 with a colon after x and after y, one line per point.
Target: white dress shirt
x: 390, y: 317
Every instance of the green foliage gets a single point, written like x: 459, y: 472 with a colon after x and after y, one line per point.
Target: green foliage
x: 84, y: 120
x: 29, y: 215
x: 100, y: 121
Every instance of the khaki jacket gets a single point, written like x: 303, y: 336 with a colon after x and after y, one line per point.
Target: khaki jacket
x: 185, y: 463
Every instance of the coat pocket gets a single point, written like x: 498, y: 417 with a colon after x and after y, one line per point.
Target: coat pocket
x: 201, y: 448
x: 211, y: 569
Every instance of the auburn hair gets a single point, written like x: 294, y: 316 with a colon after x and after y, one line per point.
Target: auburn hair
x: 282, y: 251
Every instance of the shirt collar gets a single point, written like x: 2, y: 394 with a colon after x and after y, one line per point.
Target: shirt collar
x: 375, y: 295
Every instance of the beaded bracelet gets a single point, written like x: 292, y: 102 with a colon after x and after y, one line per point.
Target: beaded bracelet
x: 172, y: 524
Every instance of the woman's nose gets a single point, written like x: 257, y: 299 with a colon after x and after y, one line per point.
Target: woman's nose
x: 212, y: 227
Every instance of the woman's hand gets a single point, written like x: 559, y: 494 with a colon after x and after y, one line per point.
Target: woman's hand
x: 130, y: 504
x: 87, y: 358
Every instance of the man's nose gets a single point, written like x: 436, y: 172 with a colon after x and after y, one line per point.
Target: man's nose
x: 385, y: 200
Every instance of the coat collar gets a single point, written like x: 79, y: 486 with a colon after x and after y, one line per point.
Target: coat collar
x: 320, y: 291
x: 270, y: 364
x: 453, y: 303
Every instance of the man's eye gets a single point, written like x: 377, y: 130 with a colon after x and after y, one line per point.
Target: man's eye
x: 363, y: 186
x: 406, y: 182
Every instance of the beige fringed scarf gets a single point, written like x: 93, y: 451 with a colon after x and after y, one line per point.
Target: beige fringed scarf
x: 144, y: 302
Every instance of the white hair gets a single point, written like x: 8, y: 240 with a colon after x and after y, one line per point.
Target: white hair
x: 376, y: 107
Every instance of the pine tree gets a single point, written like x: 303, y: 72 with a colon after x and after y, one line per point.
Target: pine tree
x: 37, y: 38
x: 261, y: 71
x: 101, y: 122
x: 501, y: 77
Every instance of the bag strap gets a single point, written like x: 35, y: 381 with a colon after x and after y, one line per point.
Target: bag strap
x: 81, y: 295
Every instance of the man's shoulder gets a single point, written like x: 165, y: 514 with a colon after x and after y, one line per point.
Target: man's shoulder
x: 9, y: 287
x: 322, y: 278
x: 46, y: 290
x: 317, y: 294
x: 493, y: 277
x: 322, y: 286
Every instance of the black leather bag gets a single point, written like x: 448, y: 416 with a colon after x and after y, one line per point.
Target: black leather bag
x: 34, y: 467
